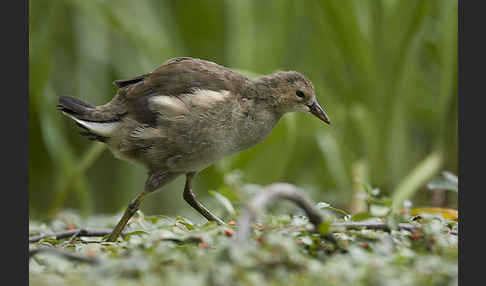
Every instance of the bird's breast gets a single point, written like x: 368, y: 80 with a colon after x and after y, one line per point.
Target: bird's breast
x: 252, y: 124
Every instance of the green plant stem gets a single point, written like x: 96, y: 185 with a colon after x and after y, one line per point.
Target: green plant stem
x: 74, y: 174
x: 418, y: 177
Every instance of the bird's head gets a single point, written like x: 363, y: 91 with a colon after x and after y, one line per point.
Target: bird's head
x: 296, y: 93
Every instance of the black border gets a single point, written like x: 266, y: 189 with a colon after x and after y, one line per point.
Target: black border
x: 460, y: 131
x: 14, y: 137
x: 471, y: 178
x: 460, y: 167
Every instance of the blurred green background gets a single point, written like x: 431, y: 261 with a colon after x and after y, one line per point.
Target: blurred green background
x: 384, y: 70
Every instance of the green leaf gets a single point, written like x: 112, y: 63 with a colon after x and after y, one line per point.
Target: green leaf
x: 324, y: 227
x: 224, y: 201
x: 411, y: 184
x: 187, y: 224
x: 448, y: 182
x: 361, y: 216
x: 441, y: 184
x: 137, y: 232
x: 450, y: 177
x: 323, y: 205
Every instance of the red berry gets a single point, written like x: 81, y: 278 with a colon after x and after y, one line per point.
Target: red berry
x: 229, y: 232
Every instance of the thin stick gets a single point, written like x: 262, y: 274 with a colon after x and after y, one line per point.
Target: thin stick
x: 72, y: 234
x: 64, y: 254
x: 274, y: 192
x: 374, y: 226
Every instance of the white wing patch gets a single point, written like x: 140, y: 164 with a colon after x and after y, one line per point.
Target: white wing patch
x: 168, y: 104
x: 173, y: 107
x: 202, y: 97
x: 99, y: 128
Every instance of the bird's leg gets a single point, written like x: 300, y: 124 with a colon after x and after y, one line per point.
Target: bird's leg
x: 191, y: 199
x: 129, y: 212
x: 154, y: 181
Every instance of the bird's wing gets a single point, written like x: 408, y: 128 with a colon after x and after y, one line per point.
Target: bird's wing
x: 182, y: 75
x: 188, y: 77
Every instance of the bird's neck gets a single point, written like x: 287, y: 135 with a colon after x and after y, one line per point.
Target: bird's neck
x: 258, y: 113
x: 267, y: 91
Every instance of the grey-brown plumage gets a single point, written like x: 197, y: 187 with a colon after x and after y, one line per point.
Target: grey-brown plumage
x: 185, y: 115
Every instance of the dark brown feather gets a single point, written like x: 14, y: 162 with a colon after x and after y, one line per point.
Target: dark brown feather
x: 126, y: 82
x: 175, y: 77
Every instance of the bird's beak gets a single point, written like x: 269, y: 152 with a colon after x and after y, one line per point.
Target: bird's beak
x: 318, y: 112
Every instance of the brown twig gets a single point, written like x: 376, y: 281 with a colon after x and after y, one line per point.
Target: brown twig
x: 64, y: 254
x: 72, y: 234
x: 374, y: 226
x: 275, y: 192
x: 378, y: 226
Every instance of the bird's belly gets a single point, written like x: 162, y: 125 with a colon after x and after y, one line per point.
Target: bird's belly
x: 206, y: 152
x: 200, y: 148
x: 199, y: 157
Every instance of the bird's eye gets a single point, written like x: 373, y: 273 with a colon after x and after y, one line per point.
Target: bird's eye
x: 299, y: 94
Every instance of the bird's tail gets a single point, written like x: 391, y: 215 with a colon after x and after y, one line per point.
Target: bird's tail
x: 96, y: 123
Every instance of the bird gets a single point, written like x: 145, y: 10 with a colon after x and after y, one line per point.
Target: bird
x: 185, y: 115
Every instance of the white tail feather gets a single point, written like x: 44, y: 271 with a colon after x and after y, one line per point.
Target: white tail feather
x: 99, y: 128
